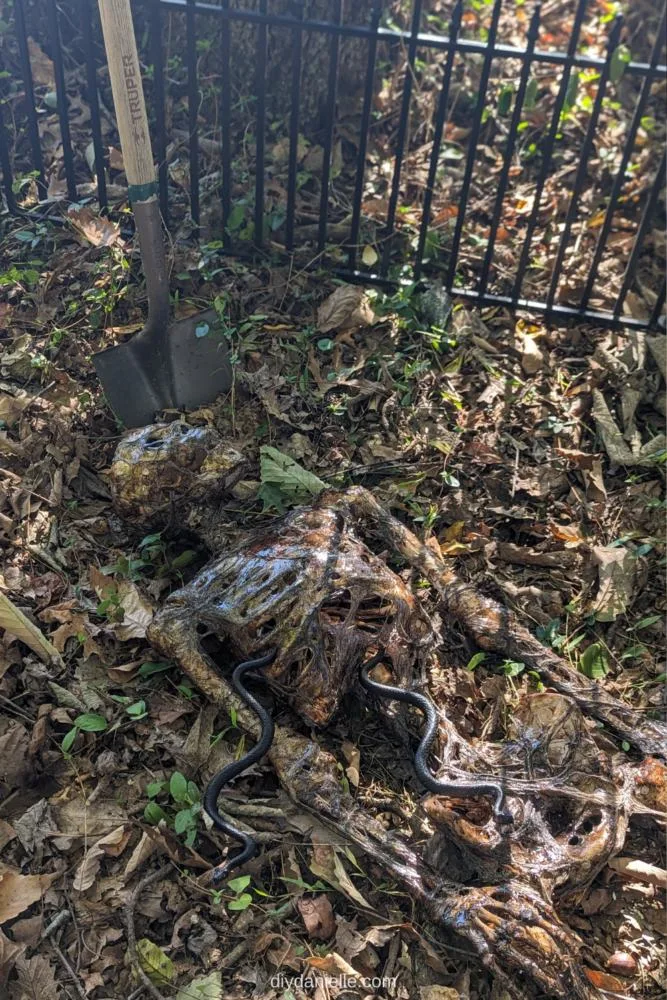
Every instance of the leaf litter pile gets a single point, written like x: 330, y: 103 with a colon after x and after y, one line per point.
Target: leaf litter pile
x: 527, y: 459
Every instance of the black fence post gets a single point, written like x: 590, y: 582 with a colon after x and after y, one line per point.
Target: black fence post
x: 157, y: 60
x: 330, y: 119
x: 295, y: 99
x: 376, y: 14
x: 6, y: 165
x: 260, y: 86
x: 647, y: 220
x: 61, y: 98
x: 472, y: 146
x: 438, y: 128
x: 26, y: 72
x: 94, y: 104
x: 547, y: 151
x: 193, y: 112
x: 533, y: 32
x: 620, y: 178
x: 583, y: 163
x: 226, y: 124
x: 401, y: 136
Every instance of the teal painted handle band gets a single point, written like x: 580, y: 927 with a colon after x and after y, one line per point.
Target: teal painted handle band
x: 142, y: 192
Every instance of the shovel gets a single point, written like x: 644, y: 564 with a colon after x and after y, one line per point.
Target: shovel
x: 166, y: 365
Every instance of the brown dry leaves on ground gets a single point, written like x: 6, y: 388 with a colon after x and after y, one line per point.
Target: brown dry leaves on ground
x: 531, y: 456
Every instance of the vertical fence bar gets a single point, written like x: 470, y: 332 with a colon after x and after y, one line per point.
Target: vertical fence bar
x: 473, y: 140
x: 226, y: 124
x: 260, y: 86
x: 376, y: 14
x: 533, y: 32
x: 584, y: 157
x: 547, y: 152
x: 401, y: 136
x: 94, y: 104
x: 332, y: 85
x: 157, y: 60
x: 659, y: 306
x: 193, y: 112
x: 6, y: 165
x: 438, y: 128
x: 647, y: 220
x: 619, y: 180
x: 26, y: 73
x: 294, y: 127
x: 61, y: 98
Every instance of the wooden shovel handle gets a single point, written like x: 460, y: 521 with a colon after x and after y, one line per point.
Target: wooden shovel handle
x: 128, y: 98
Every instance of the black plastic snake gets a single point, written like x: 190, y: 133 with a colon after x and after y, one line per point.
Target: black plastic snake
x: 249, y: 845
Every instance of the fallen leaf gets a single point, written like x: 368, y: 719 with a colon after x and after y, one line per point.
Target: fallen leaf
x: 616, y: 571
x: 333, y: 964
x: 40, y: 66
x: 326, y: 864
x: 141, y: 853
x: 369, y: 256
x: 346, y: 308
x: 112, y: 845
x: 37, y: 978
x: 156, y: 964
x: 203, y: 988
x: 13, y: 620
x: 617, y: 448
x: 9, y: 950
x: 137, y: 612
x: 436, y: 992
x: 18, y: 892
x: 318, y: 917
x: 639, y: 871
x: 7, y: 833
x: 532, y: 358
x: 603, y: 981
x: 15, y: 764
x: 98, y: 230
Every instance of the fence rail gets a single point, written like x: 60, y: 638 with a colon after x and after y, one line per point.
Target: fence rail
x: 587, y: 223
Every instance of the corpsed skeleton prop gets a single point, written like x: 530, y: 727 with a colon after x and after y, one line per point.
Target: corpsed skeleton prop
x: 307, y: 607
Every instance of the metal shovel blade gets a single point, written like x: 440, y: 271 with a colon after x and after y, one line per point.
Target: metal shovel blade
x: 186, y: 367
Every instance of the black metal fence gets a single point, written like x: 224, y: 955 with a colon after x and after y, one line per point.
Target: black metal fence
x: 463, y: 158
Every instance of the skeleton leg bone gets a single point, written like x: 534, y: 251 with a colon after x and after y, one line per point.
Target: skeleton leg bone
x: 497, y: 629
x: 515, y: 932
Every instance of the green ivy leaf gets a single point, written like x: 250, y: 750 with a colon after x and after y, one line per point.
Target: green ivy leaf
x: 91, y: 723
x: 148, y: 669
x: 241, y: 903
x: 593, y: 662
x: 137, y: 710
x: 183, y: 820
x: 530, y: 99
x: 571, y: 93
x: 178, y: 787
x: 619, y: 63
x: 154, y: 788
x: 240, y: 883
x: 505, y: 98
x: 475, y: 661
x: 287, y: 476
x: 68, y: 740
x: 158, y: 967
x: 153, y: 813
